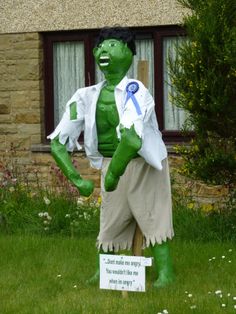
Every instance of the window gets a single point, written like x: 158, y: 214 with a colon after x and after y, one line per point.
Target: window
x: 69, y: 65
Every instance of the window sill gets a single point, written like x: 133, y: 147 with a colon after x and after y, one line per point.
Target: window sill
x: 45, y: 148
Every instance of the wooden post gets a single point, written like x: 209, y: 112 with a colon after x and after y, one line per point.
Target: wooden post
x: 138, y: 236
x: 143, y: 72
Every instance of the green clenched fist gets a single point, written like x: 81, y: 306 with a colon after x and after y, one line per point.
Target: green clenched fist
x: 85, y: 187
x: 111, y: 181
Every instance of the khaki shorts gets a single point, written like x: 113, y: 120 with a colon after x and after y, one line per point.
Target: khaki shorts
x: 142, y: 196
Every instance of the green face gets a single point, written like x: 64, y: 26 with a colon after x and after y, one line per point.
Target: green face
x: 113, y: 56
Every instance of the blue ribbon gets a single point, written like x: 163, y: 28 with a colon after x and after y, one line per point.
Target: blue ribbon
x: 131, y: 89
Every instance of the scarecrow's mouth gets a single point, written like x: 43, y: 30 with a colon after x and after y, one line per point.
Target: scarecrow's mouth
x: 104, y: 61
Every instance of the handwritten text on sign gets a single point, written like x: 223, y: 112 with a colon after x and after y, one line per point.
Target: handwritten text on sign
x: 120, y: 272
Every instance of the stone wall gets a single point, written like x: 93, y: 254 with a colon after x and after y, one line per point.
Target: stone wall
x: 22, y: 110
x: 195, y: 193
x: 21, y: 98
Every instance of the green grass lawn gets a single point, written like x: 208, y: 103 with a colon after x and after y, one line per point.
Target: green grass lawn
x: 47, y: 275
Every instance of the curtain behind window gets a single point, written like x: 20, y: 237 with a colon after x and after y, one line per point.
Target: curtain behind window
x: 68, y: 73
x: 173, y: 117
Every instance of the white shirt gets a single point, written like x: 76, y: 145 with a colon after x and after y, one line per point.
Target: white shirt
x: 153, y: 149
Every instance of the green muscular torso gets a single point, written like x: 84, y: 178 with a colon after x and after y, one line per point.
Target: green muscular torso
x: 107, y: 119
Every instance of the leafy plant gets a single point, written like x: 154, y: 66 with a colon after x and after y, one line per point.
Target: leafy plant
x: 204, y: 77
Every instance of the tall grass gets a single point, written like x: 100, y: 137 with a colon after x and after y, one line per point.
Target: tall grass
x: 23, y: 211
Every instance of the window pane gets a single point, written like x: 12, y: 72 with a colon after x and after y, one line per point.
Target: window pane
x: 68, y: 73
x: 173, y: 117
x: 144, y: 51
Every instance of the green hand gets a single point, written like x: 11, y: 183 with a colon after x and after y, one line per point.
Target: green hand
x: 111, y: 182
x: 126, y: 150
x: 84, y: 186
x: 64, y: 162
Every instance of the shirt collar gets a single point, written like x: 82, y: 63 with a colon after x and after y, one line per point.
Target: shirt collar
x: 123, y: 83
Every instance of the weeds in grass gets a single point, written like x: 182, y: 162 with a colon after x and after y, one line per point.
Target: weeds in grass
x: 36, y: 209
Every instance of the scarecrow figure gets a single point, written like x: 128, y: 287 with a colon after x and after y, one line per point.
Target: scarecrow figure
x: 121, y: 137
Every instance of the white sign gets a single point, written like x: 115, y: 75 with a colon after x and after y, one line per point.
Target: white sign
x: 121, y: 272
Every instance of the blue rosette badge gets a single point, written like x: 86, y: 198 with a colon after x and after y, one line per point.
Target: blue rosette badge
x: 131, y: 89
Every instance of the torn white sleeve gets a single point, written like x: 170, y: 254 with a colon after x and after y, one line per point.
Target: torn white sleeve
x: 127, y: 123
x: 69, y: 130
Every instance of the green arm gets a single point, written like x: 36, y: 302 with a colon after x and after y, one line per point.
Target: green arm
x: 63, y: 160
x: 127, y: 149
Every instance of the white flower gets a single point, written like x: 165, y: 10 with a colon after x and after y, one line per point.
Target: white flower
x: 45, y: 222
x: 45, y: 214
x: 230, y: 250
x: 235, y: 307
x: 186, y: 292
x: 190, y: 295
x: 218, y: 292
x: 165, y: 312
x: 80, y: 201
x: 229, y: 294
x: 230, y: 261
x: 75, y: 286
x: 213, y: 257
x: 46, y: 228
x: 192, y: 307
x: 209, y: 292
x: 223, y: 256
x: 40, y: 214
x: 59, y: 275
x: 67, y: 216
x: 46, y: 200
x: 223, y: 305
x: 234, y: 298
x: 210, y: 260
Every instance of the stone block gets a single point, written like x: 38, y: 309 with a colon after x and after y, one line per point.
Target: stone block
x: 6, y: 84
x: 34, y: 96
x: 28, y: 129
x: 19, y: 100
x: 4, y: 109
x: 20, y: 141
x: 26, y: 44
x: 24, y: 54
x: 5, y: 118
x: 8, y: 129
x: 35, y: 139
x: 3, y: 68
x: 36, y: 104
x: 42, y: 159
x: 32, y: 36
x: 21, y: 85
x: 29, y: 70
x: 27, y: 118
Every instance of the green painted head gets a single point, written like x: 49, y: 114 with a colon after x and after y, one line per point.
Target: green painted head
x: 114, y: 51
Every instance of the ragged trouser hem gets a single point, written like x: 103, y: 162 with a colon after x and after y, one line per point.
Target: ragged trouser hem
x: 111, y: 246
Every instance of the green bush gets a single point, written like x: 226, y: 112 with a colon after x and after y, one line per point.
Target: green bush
x: 204, y: 77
